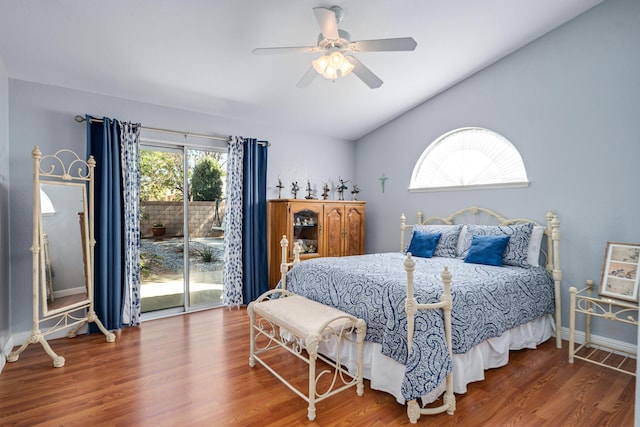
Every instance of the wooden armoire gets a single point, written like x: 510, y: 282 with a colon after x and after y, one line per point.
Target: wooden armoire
x: 325, y: 228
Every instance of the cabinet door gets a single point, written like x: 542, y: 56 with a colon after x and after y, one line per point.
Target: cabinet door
x: 354, y: 222
x: 333, y: 230
x: 305, y: 225
x: 277, y: 222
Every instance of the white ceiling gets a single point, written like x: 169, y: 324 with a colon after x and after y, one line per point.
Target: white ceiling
x: 196, y: 54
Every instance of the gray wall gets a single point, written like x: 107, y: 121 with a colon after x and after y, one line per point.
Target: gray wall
x: 5, y: 313
x: 570, y: 103
x: 43, y: 115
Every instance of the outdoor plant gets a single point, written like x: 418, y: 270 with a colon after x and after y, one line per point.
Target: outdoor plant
x: 206, y: 254
x: 158, y: 229
x: 148, y: 264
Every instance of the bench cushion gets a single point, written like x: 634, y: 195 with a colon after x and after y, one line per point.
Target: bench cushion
x: 301, y: 316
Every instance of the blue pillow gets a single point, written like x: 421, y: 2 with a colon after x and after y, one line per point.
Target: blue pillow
x: 517, y: 252
x: 487, y: 250
x: 424, y: 244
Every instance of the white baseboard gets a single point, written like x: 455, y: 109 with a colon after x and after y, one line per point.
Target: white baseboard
x: 597, y: 340
x: 71, y: 291
x: 5, y: 351
x: 21, y: 337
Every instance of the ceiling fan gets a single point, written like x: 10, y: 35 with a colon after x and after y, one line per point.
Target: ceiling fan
x: 336, y: 46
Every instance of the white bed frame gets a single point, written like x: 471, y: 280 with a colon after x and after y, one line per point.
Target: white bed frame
x: 471, y: 215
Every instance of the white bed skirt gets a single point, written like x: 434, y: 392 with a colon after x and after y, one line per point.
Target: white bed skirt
x: 386, y: 374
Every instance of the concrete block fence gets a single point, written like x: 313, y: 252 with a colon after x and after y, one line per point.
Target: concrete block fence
x: 201, y: 218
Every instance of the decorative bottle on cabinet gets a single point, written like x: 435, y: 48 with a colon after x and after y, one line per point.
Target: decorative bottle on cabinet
x: 323, y: 227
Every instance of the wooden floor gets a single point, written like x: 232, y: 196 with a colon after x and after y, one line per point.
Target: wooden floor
x: 193, y: 370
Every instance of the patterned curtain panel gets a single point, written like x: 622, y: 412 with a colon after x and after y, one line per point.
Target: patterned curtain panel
x: 130, y: 159
x: 232, y: 272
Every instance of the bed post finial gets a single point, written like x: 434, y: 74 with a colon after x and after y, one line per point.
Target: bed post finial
x: 284, y: 243
x: 550, y: 217
x: 296, y: 253
x: 409, y: 263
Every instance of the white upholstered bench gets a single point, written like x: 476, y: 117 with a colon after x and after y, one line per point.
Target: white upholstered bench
x: 296, y: 323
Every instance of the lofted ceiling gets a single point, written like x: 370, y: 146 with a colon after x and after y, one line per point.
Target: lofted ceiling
x: 196, y: 54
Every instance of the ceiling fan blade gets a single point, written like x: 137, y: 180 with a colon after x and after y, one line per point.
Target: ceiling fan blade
x: 382, y: 45
x: 278, y: 50
x: 328, y: 23
x: 307, y: 78
x: 365, y: 74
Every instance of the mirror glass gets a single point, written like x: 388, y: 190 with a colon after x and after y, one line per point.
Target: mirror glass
x: 64, y: 260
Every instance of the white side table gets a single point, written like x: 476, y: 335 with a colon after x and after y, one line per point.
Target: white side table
x: 588, y: 302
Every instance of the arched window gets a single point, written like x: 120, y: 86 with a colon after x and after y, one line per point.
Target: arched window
x: 469, y: 158
x: 46, y: 206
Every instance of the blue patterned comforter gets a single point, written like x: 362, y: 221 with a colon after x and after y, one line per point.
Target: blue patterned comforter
x: 486, y: 302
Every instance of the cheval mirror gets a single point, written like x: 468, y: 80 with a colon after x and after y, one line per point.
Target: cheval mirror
x: 63, y: 246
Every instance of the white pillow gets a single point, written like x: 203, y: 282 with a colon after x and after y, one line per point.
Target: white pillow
x: 533, y: 253
x: 463, y: 235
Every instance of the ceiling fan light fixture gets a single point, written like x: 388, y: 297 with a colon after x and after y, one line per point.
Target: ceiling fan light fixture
x: 346, y: 67
x: 336, y: 59
x: 320, y: 64
x: 332, y: 66
x: 330, y: 73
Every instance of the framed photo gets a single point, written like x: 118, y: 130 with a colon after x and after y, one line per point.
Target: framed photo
x: 620, y: 272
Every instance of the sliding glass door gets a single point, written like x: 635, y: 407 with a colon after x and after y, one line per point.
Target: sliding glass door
x: 181, y: 228
x: 205, y: 213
